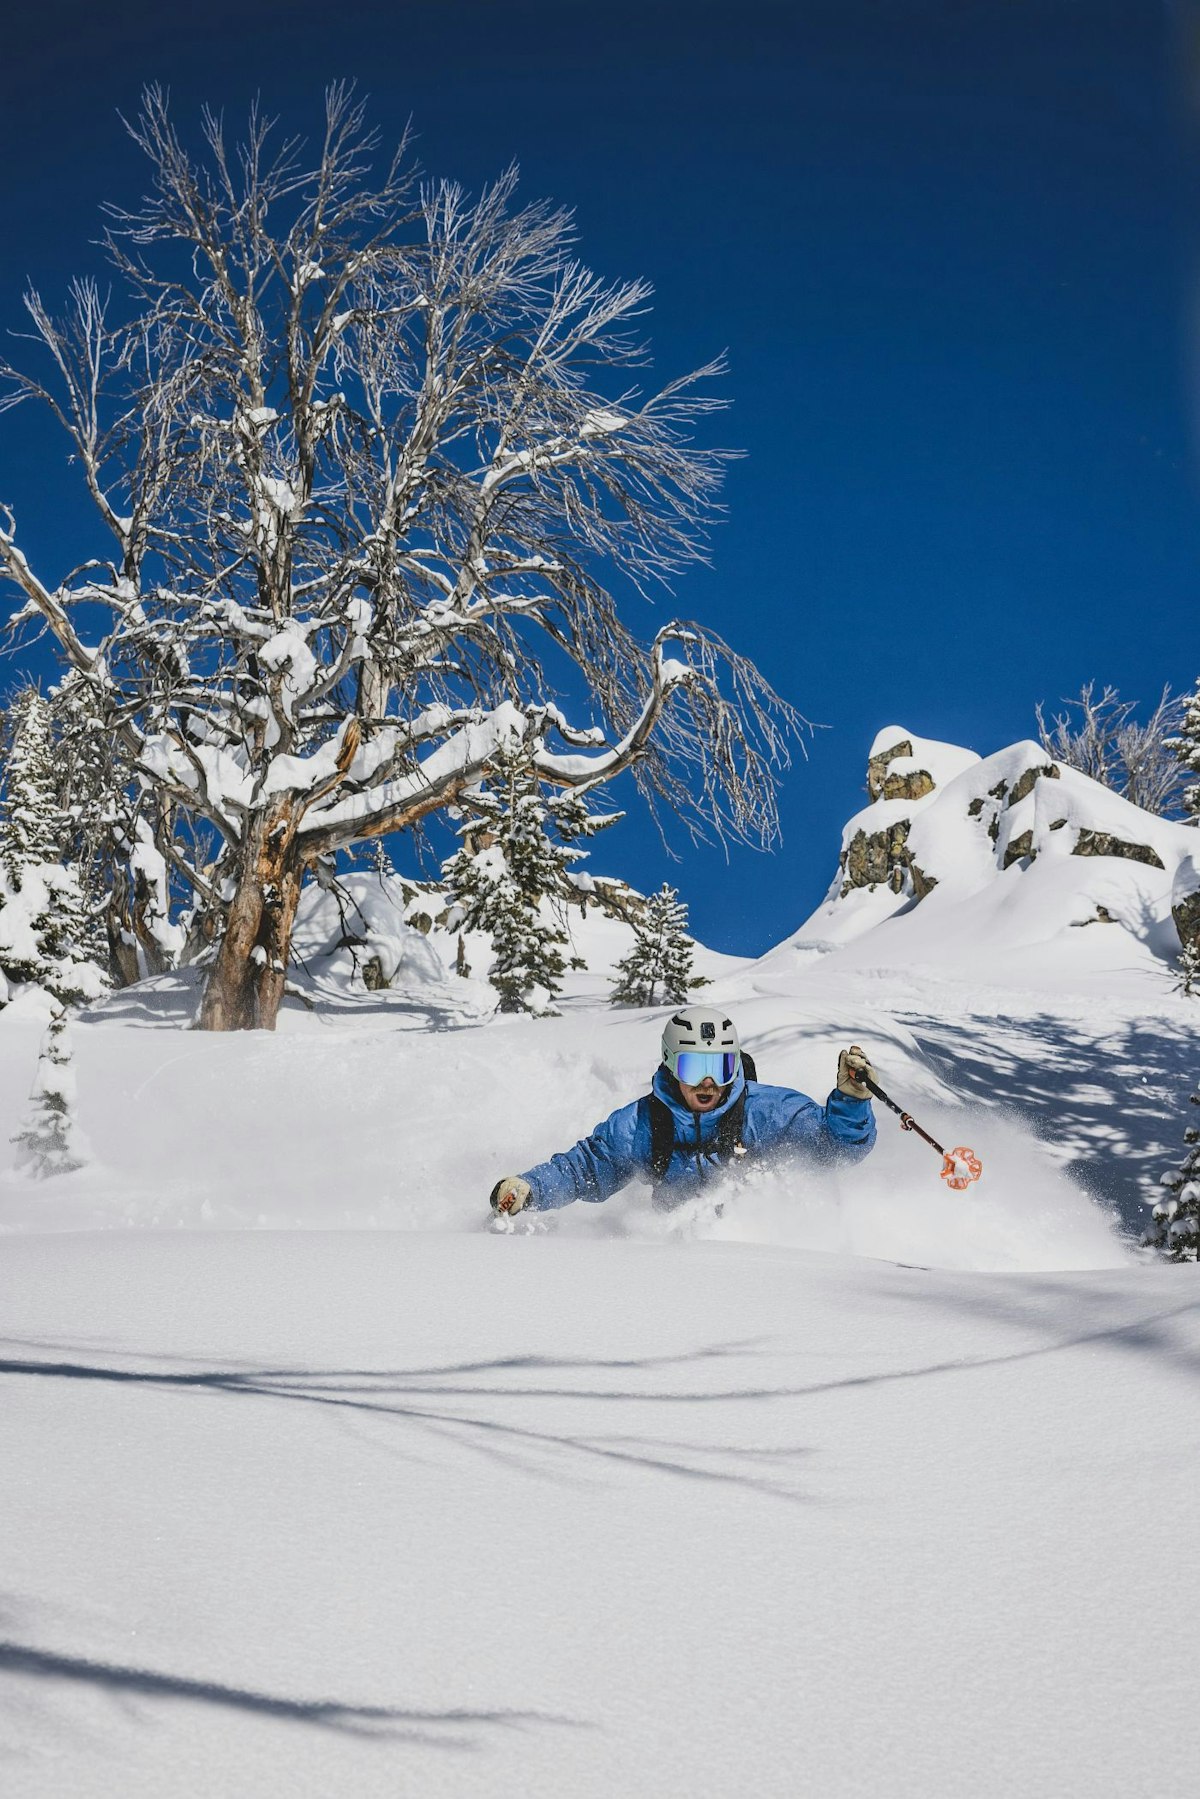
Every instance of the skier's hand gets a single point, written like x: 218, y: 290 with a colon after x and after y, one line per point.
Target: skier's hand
x: 853, y: 1070
x: 511, y: 1194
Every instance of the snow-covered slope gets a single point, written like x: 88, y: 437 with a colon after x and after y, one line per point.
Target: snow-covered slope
x: 310, y: 1483
x: 292, y: 1516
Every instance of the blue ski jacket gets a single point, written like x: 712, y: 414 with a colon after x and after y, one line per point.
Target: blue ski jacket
x: 777, y: 1121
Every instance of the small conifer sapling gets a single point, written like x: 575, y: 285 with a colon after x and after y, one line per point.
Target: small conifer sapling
x: 658, y: 969
x: 1176, y: 1226
x: 48, y: 1142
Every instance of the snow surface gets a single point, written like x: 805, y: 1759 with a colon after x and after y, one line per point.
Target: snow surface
x: 313, y: 1481
x: 339, y: 1513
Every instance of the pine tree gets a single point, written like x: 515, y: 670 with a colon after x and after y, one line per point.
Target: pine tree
x: 509, y: 866
x: 1187, y: 749
x: 100, y: 797
x: 44, y: 920
x: 1176, y: 1227
x: 35, y: 825
x: 48, y: 1142
x: 659, y: 966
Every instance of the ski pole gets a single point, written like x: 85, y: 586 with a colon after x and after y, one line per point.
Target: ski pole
x: 960, y: 1166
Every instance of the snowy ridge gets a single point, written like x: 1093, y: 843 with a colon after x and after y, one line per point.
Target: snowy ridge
x: 996, y: 871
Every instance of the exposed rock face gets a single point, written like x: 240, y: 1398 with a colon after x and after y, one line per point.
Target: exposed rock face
x: 907, y: 784
x: 1025, y: 783
x: 875, y: 857
x: 1019, y: 849
x: 1009, y: 826
x: 1100, y: 843
x: 877, y: 766
x: 1186, y: 913
x: 887, y: 783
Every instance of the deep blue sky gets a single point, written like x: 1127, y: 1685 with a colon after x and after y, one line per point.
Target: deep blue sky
x: 948, y: 247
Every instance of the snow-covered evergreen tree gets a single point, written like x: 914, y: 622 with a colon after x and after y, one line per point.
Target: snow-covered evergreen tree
x: 35, y: 826
x: 44, y: 920
x: 101, y: 796
x: 658, y: 969
x: 1186, y: 746
x: 1176, y: 1227
x: 48, y: 1142
x: 510, y: 865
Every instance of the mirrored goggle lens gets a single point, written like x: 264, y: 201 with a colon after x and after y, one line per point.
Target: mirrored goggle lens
x: 694, y: 1066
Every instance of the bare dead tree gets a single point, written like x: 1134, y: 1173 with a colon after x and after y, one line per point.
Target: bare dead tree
x: 369, y: 454
x: 1102, y: 737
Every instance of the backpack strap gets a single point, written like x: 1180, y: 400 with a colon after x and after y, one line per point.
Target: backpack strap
x: 662, y: 1135
x: 729, y: 1131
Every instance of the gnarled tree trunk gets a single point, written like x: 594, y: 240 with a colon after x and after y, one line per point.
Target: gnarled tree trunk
x: 133, y: 950
x: 246, y: 984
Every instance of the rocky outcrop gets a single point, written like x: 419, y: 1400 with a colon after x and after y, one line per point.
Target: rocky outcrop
x: 907, y: 784
x: 1025, y: 783
x: 1100, y: 843
x: 885, y: 782
x: 1186, y: 913
x: 1019, y: 849
x: 871, y: 858
x: 898, y: 773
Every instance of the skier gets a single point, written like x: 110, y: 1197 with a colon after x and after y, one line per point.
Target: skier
x: 706, y: 1108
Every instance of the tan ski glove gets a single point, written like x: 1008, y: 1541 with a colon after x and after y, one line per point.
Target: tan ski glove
x: 853, y: 1067
x: 511, y: 1194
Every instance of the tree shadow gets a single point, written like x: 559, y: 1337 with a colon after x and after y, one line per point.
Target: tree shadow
x: 1115, y: 1103
x: 1167, y: 1331
x: 457, y: 1728
x: 476, y: 1409
x: 484, y: 1406
x: 172, y: 1002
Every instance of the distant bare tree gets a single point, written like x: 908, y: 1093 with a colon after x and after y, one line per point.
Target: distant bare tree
x: 1100, y: 735
x: 369, y: 465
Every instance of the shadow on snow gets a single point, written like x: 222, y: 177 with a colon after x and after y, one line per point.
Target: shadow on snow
x: 453, y: 1729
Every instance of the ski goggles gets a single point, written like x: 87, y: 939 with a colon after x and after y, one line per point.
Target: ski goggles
x: 694, y: 1066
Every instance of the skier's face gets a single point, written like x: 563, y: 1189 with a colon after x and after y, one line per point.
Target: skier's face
x: 704, y: 1097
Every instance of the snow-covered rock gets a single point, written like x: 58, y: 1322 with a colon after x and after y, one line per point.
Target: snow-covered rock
x: 977, y: 864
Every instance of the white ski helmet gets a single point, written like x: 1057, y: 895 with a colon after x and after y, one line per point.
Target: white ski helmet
x: 701, y: 1041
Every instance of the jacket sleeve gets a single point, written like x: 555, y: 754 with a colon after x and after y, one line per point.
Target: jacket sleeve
x: 842, y: 1130
x: 598, y: 1166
